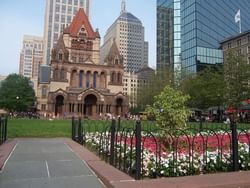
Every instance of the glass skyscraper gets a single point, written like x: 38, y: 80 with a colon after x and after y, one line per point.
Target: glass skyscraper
x: 189, y: 31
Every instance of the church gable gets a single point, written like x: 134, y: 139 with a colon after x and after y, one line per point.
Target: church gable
x: 81, y: 25
x: 59, y: 52
x: 114, y: 57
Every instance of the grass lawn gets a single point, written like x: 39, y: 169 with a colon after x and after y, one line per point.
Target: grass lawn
x: 38, y: 128
x: 62, y: 128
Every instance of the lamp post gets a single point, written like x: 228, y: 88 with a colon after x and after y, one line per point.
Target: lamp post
x: 17, y: 102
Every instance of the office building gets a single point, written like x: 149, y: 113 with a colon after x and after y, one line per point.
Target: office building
x: 31, y: 56
x: 133, y: 81
x: 239, y: 43
x: 128, y: 33
x: 189, y: 31
x: 59, y: 14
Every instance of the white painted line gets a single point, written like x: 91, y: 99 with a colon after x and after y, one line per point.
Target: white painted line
x: 1, y: 171
x: 81, y: 159
x: 94, y: 174
x: 101, y: 183
x: 47, y: 167
x: 65, y: 160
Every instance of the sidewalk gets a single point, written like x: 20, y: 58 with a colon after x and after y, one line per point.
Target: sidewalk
x: 46, y: 163
x: 112, y: 177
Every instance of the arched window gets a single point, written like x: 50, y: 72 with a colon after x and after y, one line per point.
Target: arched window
x: 113, y: 77
x: 44, y: 92
x: 80, y: 79
x: 88, y: 79
x: 102, y: 80
x: 74, y: 79
x: 56, y: 74
x: 60, y: 56
x: 119, y: 78
x: 94, y: 79
x: 62, y: 74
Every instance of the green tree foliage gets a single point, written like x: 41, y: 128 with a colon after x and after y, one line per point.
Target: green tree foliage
x: 205, y: 89
x: 16, y: 93
x: 169, y: 108
x: 153, y: 86
x: 237, y: 76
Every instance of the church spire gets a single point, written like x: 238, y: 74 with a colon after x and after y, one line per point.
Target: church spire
x: 123, y: 6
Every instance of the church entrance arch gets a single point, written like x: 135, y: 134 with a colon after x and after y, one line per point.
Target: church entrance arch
x: 59, y: 105
x: 90, y: 102
x: 119, y: 103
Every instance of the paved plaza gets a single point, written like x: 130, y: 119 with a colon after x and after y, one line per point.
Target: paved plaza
x: 45, y: 163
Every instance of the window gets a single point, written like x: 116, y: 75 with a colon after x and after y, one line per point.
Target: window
x: 248, y: 49
x: 43, y: 107
x: 60, y: 56
x: 74, y: 59
x: 62, y: 74
x: 63, y: 8
x: 69, y: 9
x: 57, y: 18
x: 75, y: 10
x: 81, y: 3
x: 229, y: 45
x: 44, y: 92
x: 56, y: 74
x: 239, y: 42
x: 57, y: 8
x: 239, y: 52
x: 248, y: 60
x: 63, y: 18
x: 68, y: 19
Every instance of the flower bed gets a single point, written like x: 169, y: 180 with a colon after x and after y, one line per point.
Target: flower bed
x: 182, y: 155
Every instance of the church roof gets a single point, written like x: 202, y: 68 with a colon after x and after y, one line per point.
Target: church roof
x: 113, y: 52
x: 76, y: 24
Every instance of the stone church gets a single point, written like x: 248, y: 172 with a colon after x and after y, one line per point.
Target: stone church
x: 79, y: 84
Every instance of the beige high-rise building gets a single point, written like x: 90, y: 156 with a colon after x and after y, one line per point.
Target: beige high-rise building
x: 31, y: 56
x: 128, y: 33
x: 58, y: 15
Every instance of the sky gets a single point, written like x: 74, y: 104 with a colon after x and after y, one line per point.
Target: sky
x: 26, y: 17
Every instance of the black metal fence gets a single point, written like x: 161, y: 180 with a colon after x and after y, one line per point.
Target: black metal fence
x: 3, y: 129
x: 158, y: 153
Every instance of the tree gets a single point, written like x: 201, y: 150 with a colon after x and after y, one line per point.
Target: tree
x: 206, y: 88
x: 153, y: 86
x: 170, y: 109
x: 16, y: 93
x: 237, y: 74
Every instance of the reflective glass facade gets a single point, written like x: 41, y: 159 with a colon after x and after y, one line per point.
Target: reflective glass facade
x: 202, y: 24
x: 168, y: 34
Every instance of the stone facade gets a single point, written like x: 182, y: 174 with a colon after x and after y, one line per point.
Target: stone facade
x: 79, y: 84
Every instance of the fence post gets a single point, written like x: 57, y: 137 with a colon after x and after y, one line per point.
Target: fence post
x: 201, y: 124
x: 5, y: 128
x: 138, y: 150
x: 1, y: 132
x: 234, y: 149
x: 80, y: 131
x: 73, y: 128
x: 119, y: 123
x: 112, y: 143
